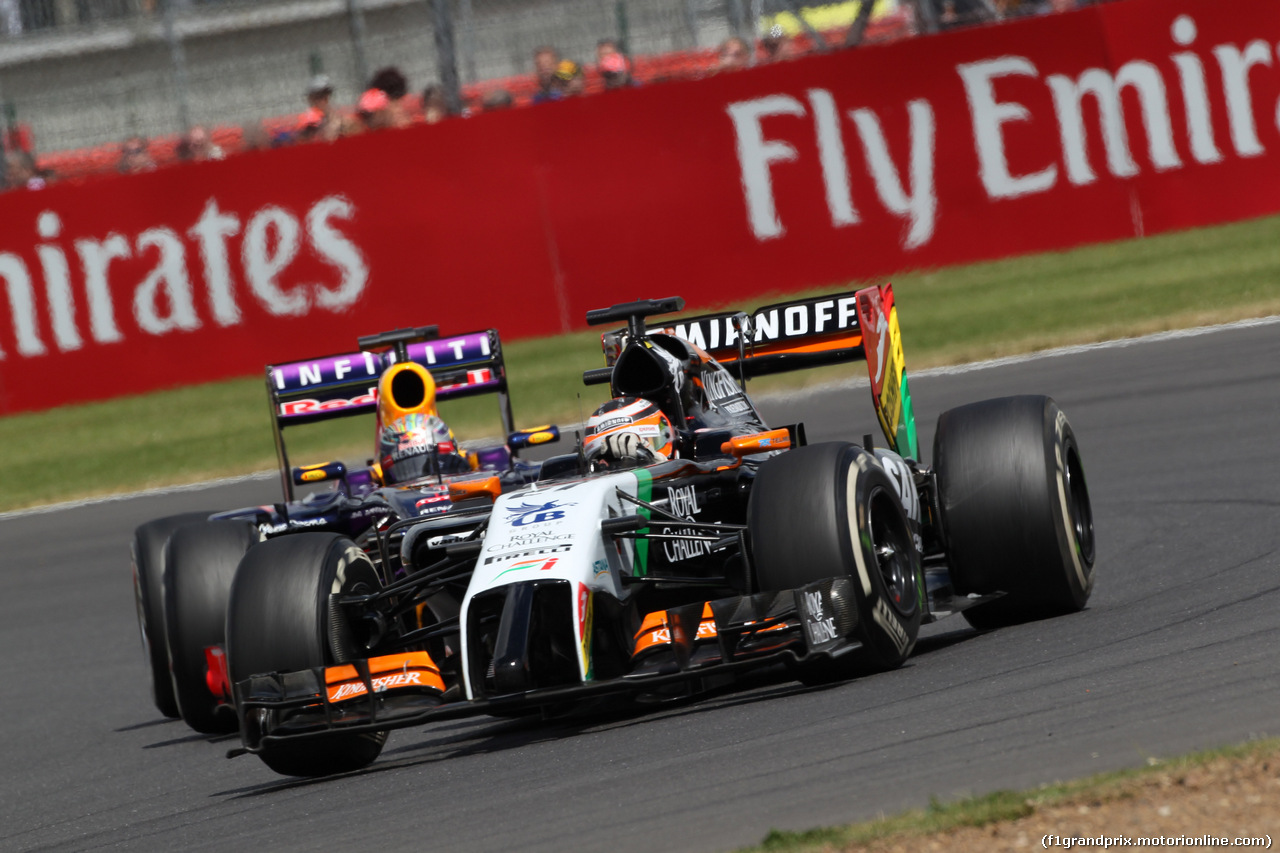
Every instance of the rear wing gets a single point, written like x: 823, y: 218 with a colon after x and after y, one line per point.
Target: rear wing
x: 346, y: 384
x: 836, y: 328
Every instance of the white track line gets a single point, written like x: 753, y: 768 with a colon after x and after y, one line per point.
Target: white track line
x: 145, y: 493
x: 956, y: 369
x: 953, y: 370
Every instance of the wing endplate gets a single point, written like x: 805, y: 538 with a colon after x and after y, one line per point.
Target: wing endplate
x: 886, y: 365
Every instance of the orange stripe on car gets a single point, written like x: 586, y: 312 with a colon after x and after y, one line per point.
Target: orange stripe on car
x: 464, y: 489
x: 834, y: 342
x: 388, y: 672
x: 760, y: 442
x: 654, y: 630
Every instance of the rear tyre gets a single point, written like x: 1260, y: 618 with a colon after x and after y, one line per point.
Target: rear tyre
x: 278, y: 620
x: 148, y: 558
x: 200, y: 564
x: 829, y: 510
x: 1015, y: 509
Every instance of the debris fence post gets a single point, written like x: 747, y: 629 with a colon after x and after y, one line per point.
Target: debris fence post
x: 177, y: 56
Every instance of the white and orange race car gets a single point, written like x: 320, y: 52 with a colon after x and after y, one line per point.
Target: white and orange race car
x: 683, y: 542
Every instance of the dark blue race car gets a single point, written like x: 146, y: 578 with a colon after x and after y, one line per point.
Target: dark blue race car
x: 183, y: 565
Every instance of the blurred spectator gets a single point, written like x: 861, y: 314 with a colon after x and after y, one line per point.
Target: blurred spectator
x: 613, y: 65
x: 546, y: 61
x: 958, y: 13
x: 1019, y: 8
x: 435, y: 106
x: 134, y: 157
x: 197, y: 145
x: 779, y: 46
x: 734, y: 55
x: 254, y: 137
x: 20, y: 172
x: 372, y: 109
x: 498, y: 99
x: 266, y: 134
x: 382, y: 104
x: 570, y: 78
x: 321, y: 121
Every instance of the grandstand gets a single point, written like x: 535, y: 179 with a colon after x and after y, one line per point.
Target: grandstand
x: 73, y: 90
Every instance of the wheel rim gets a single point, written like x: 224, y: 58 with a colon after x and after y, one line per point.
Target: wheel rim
x: 892, y: 550
x: 1078, y: 508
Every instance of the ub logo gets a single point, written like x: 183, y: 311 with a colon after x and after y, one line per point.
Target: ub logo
x: 524, y: 514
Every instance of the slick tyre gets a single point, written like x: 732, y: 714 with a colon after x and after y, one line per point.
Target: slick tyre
x: 200, y: 564
x: 830, y: 510
x: 147, y: 552
x: 281, y: 619
x: 1014, y: 508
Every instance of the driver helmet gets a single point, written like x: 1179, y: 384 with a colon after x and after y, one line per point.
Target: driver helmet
x: 627, y: 432
x: 418, y: 445
x: 413, y: 440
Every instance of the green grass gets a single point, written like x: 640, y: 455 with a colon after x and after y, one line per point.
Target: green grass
x: 948, y: 316
x: 996, y: 807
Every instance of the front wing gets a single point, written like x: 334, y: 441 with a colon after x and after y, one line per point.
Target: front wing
x: 403, y: 690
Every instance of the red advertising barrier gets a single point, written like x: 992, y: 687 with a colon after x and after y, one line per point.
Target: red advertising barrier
x: 1123, y: 119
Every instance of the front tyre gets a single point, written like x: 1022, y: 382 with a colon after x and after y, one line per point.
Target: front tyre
x: 1015, y: 509
x: 279, y: 620
x: 148, y: 557
x: 830, y: 510
x: 200, y: 564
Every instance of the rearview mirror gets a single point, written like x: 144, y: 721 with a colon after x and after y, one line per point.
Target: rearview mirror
x: 520, y: 439
x: 321, y: 473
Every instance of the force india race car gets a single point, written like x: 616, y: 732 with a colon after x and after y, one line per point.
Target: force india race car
x: 746, y: 547
x: 183, y: 565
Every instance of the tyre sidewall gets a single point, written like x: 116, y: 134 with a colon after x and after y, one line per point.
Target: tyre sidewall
x: 809, y: 521
x: 200, y: 564
x: 147, y: 552
x: 1077, y: 577
x: 887, y: 627
x: 1004, y: 470
x: 278, y: 620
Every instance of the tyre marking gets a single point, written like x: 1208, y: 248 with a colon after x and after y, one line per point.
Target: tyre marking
x: 884, y: 617
x: 351, y: 555
x: 1058, y: 444
x: 855, y: 529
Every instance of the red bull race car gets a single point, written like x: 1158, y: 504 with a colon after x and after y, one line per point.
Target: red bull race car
x: 684, y: 541
x: 183, y: 565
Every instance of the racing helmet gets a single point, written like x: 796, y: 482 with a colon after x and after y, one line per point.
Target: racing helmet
x: 627, y: 432
x: 413, y: 441
x: 417, y: 445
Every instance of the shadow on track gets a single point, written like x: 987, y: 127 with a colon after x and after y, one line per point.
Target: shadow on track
x: 193, y: 737
x: 488, y: 735
x: 159, y: 721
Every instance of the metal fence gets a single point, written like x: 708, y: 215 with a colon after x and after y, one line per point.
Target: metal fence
x: 82, y: 73
x: 85, y: 72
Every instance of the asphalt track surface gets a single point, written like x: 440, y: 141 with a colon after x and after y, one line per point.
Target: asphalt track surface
x: 1176, y: 651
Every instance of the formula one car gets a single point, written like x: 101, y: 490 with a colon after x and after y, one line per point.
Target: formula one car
x: 183, y: 565
x: 684, y: 542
